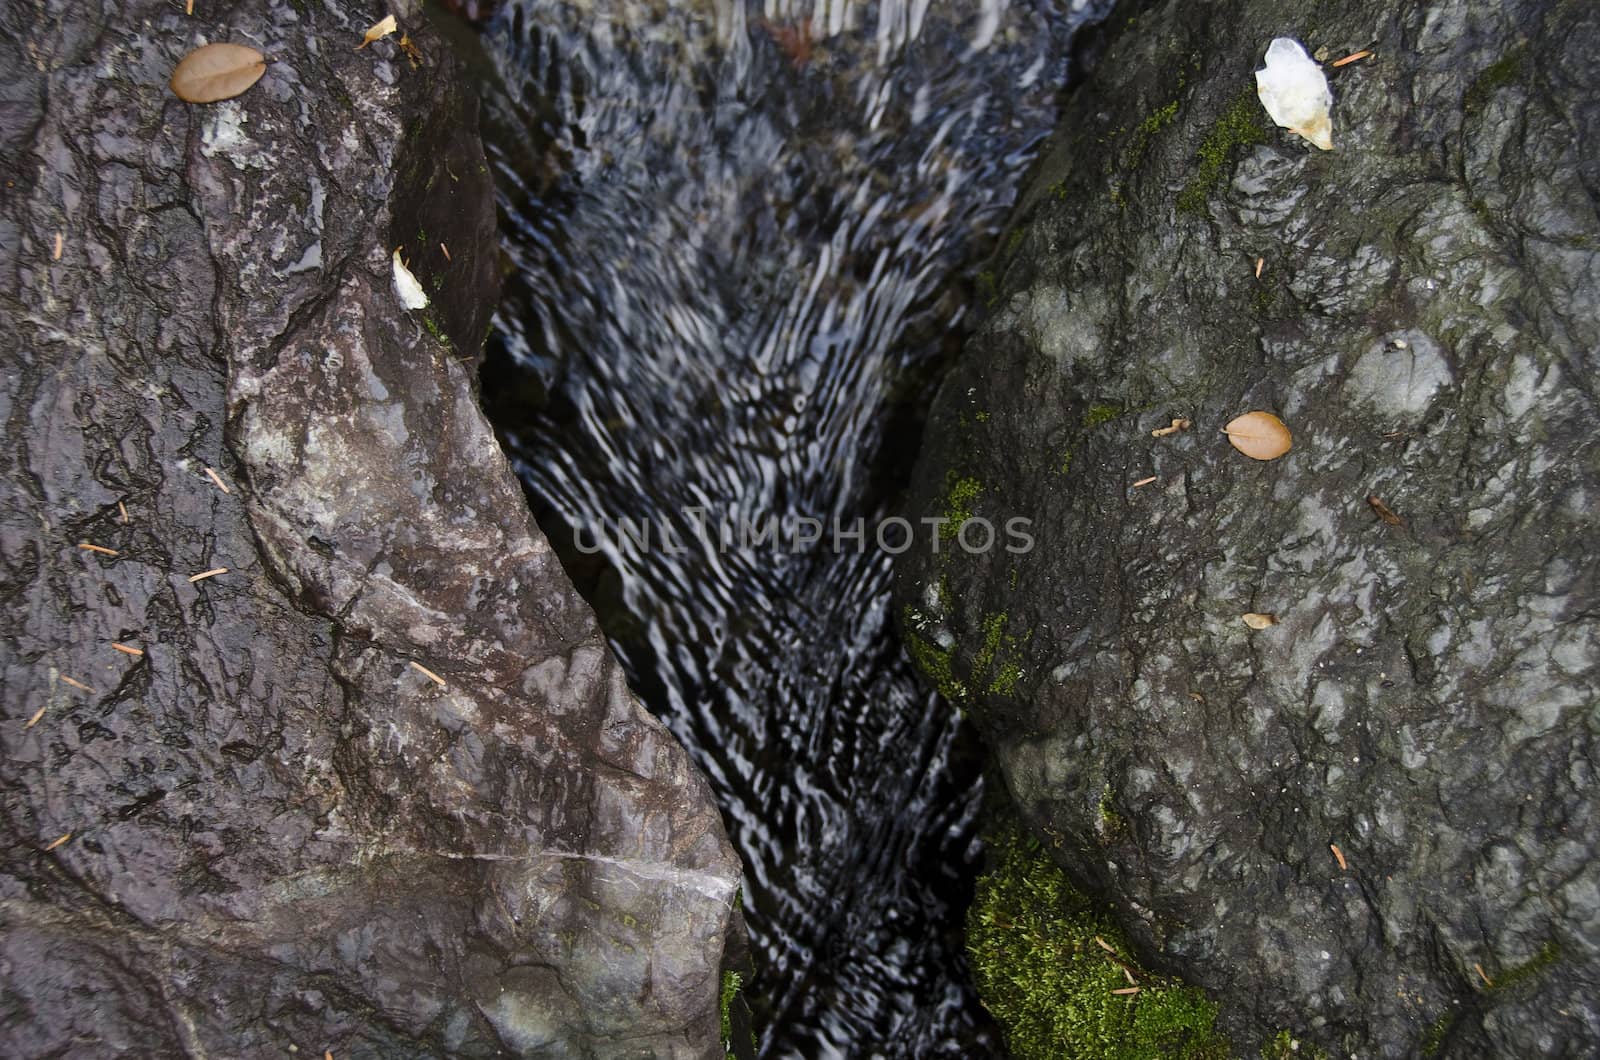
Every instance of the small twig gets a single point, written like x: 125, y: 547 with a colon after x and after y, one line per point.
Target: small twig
x: 1484, y: 975
x: 35, y: 719
x: 58, y: 842
x: 429, y: 674
x: 221, y: 485
x: 446, y: 252
x: 1127, y: 990
x: 123, y: 509
x: 212, y: 573
x: 1179, y: 424
x: 61, y: 242
x: 1144, y: 482
x: 77, y: 684
x: 1338, y: 855
x: 1352, y: 57
x: 127, y: 650
x: 1259, y: 263
x: 97, y: 548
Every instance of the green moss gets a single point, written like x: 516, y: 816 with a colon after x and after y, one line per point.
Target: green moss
x: 1099, y: 414
x: 996, y: 666
x: 1111, y: 821
x: 1263, y: 300
x: 988, y: 288
x: 1548, y: 954
x: 961, y: 494
x: 982, y: 417
x: 994, y: 628
x: 937, y: 664
x: 998, y: 656
x: 1160, y: 119
x: 1285, y: 1046
x: 1014, y: 240
x: 731, y: 983
x: 1066, y: 463
x: 1433, y: 1041
x: 1495, y: 76
x: 1133, y: 152
x: 1039, y: 969
x: 436, y: 331
x: 1238, y: 127
x: 1006, y: 678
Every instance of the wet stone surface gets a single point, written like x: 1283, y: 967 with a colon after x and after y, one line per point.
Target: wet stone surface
x: 282, y: 833
x: 1425, y: 323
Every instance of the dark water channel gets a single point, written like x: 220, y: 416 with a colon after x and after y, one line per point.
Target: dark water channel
x: 741, y: 240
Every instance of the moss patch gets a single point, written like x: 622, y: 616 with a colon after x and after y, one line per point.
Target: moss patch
x: 436, y: 331
x: 1433, y: 1041
x: 1495, y: 76
x: 1548, y: 954
x: 988, y: 288
x: 996, y: 665
x: 732, y: 983
x: 1039, y: 969
x: 1285, y: 1046
x: 998, y: 657
x: 1099, y: 414
x: 1239, y: 127
x: 1112, y: 824
x: 961, y: 496
x: 937, y: 664
x: 1137, y: 147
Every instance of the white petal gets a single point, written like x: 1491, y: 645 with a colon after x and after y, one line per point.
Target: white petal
x: 1295, y: 93
x: 407, y: 287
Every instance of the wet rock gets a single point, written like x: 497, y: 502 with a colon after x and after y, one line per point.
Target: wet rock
x: 284, y: 832
x: 1425, y: 323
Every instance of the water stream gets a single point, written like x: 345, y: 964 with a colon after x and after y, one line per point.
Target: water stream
x: 740, y: 242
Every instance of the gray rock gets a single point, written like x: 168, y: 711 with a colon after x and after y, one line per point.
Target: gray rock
x: 1426, y: 321
x: 282, y: 833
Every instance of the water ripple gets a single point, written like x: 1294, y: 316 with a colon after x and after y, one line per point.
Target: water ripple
x: 740, y: 239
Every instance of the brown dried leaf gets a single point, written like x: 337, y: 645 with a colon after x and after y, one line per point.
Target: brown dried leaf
x: 378, y: 30
x: 1259, y: 435
x: 1259, y: 621
x: 413, y: 53
x: 1384, y: 511
x: 217, y: 71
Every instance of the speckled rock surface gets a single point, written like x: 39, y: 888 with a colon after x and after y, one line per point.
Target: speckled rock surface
x: 1426, y: 321
x: 281, y: 833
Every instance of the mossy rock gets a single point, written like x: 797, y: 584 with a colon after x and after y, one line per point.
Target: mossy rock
x: 1039, y: 956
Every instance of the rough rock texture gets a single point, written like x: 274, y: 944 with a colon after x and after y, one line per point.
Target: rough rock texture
x: 282, y: 834
x: 1426, y: 321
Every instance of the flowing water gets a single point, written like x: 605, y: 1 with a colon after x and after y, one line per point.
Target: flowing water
x: 741, y: 241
